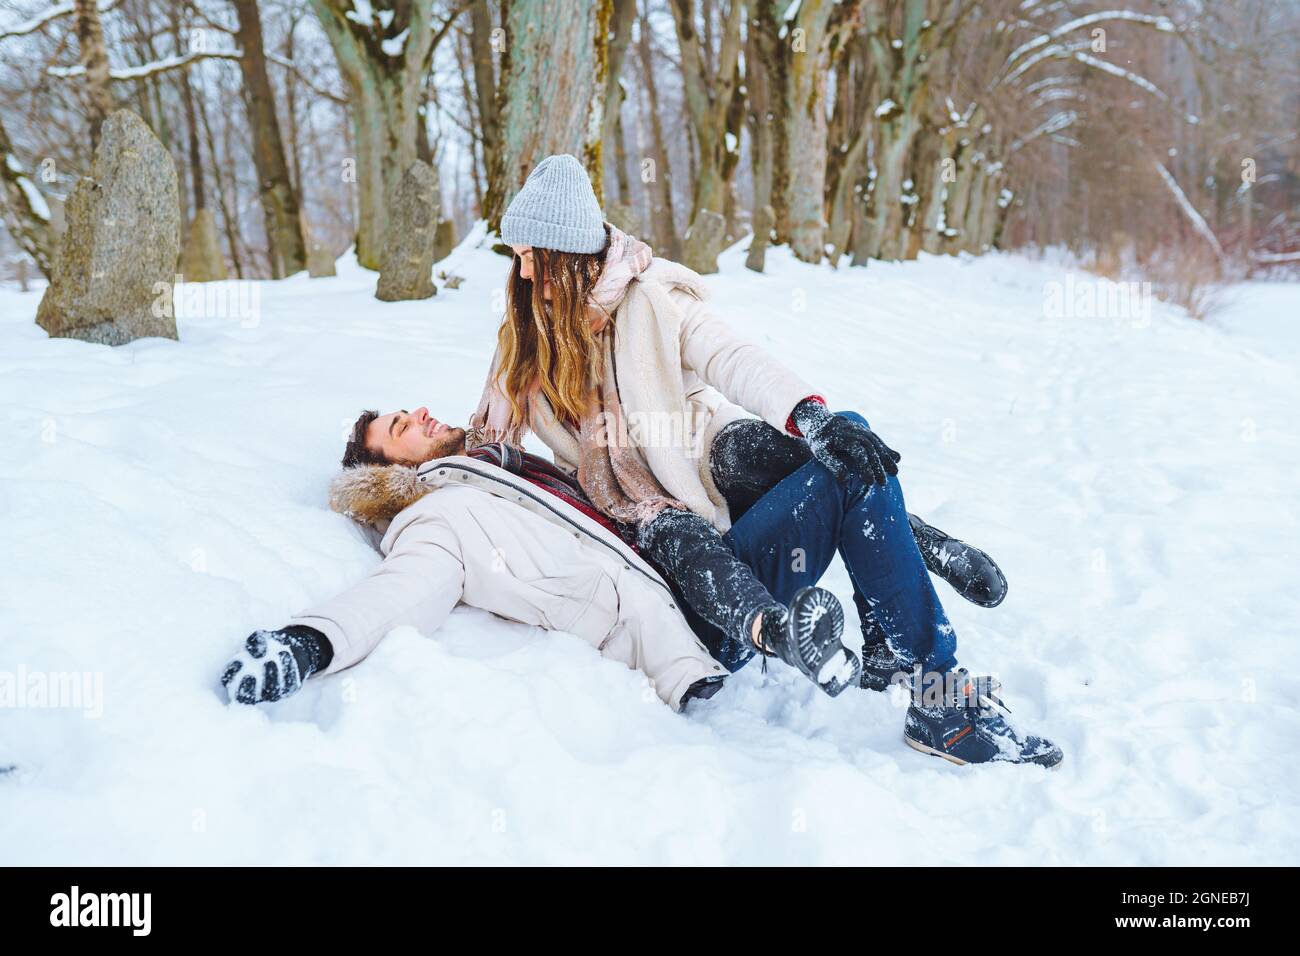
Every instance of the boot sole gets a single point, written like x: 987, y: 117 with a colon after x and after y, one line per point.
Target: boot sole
x: 841, y: 668
x: 925, y: 749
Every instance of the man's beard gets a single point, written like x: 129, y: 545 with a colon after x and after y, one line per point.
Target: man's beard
x: 452, y: 444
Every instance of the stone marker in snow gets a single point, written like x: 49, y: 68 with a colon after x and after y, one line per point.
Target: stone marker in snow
x: 122, y: 240
x: 406, y: 268
x: 704, y: 242
x: 203, y: 261
x: 764, y: 220
x: 320, y: 262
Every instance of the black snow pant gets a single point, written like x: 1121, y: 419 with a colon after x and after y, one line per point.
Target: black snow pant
x: 748, y: 459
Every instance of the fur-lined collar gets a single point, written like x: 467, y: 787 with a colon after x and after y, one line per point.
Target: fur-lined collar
x: 375, y: 493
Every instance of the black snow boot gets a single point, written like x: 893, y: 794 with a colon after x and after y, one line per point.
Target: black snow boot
x: 806, y: 635
x: 881, y: 665
x: 965, y: 722
x: 971, y: 572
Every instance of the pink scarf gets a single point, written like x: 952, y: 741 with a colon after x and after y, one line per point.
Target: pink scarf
x: 626, y: 257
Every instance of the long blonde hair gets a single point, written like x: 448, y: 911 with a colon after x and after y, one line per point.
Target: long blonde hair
x: 550, y: 345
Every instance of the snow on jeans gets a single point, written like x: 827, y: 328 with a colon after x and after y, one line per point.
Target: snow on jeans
x: 788, y: 536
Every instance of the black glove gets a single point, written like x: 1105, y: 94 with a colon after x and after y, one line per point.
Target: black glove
x: 273, y: 664
x: 844, y: 446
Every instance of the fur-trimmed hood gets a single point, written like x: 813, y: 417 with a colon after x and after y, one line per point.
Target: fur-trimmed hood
x: 372, y: 494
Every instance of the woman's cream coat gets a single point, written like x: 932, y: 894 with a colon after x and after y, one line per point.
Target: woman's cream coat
x: 683, y: 375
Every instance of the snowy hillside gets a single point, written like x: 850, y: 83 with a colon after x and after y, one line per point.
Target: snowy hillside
x: 1136, y: 479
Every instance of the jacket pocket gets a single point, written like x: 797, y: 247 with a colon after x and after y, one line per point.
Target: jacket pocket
x: 595, y: 621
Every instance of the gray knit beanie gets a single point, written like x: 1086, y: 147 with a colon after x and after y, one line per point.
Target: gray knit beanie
x: 556, y: 209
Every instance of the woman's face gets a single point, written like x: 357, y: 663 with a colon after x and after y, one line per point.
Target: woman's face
x: 525, y: 254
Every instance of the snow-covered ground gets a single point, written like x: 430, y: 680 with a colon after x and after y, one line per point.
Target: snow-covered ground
x: 1135, y: 477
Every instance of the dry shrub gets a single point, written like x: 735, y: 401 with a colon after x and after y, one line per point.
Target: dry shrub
x: 1190, y: 276
x: 1112, y: 257
x: 1187, y: 274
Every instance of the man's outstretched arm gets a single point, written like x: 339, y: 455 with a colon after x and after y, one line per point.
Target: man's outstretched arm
x: 418, y: 584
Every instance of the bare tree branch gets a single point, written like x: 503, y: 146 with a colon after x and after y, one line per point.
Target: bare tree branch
x: 46, y: 17
x: 165, y: 65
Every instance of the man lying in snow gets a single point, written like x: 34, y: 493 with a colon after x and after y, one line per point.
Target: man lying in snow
x: 511, y: 533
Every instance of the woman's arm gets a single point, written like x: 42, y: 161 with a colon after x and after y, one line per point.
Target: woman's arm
x: 736, y: 367
x: 757, y: 382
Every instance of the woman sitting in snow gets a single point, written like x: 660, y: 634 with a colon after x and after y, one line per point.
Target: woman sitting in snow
x: 674, y: 426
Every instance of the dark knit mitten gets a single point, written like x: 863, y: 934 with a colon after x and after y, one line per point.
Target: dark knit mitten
x: 273, y: 664
x: 844, y: 446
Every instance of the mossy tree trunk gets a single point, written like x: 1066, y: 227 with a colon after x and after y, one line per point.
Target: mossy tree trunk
x: 797, y: 44
x: 709, y: 83
x: 551, y: 92
x: 383, y: 63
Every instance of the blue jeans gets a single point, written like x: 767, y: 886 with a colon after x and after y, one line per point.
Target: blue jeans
x: 789, y: 536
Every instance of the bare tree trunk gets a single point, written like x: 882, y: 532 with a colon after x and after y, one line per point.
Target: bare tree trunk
x: 291, y: 110
x: 25, y: 213
x: 901, y: 71
x: 227, y: 216
x: 692, y: 154
x: 465, y: 65
x: 485, y: 88
x: 423, y: 148
x: 972, y: 229
x: 907, y: 39
x: 195, y: 155
x: 163, y: 128
x: 622, y: 20
x: 735, y: 123
x: 931, y: 219
x: 94, y: 57
x: 924, y: 160
x: 662, y: 220
x: 622, y: 185
x: 760, y: 120
x: 847, y: 143
x: 385, y: 90
x: 552, y: 92
x: 710, y: 109
x: 285, y: 246
x: 797, y: 44
x: 956, y: 209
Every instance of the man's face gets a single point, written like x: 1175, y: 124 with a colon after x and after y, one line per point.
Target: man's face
x: 412, y: 438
